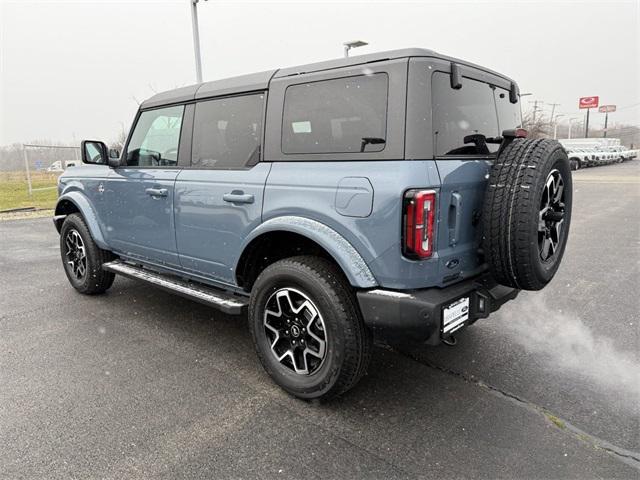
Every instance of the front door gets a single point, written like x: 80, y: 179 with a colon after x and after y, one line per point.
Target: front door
x: 218, y: 200
x: 139, y: 220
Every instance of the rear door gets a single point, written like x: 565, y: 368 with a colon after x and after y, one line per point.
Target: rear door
x: 479, y: 107
x: 219, y: 196
x: 139, y: 196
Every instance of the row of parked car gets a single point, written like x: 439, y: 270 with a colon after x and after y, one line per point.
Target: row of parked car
x: 591, y: 156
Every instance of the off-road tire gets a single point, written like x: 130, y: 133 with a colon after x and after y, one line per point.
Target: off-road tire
x: 95, y: 280
x: 348, y: 341
x: 512, y: 210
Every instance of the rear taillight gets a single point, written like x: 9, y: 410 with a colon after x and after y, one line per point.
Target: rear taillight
x: 418, y: 220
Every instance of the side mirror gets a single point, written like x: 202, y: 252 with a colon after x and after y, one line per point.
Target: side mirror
x: 94, y: 152
x: 114, y: 153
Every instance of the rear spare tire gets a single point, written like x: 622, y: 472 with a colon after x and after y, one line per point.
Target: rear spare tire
x: 527, y: 213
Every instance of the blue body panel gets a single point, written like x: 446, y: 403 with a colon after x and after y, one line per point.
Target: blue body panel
x: 377, y: 236
x: 80, y: 186
x: 352, y: 209
x: 136, y: 223
x: 209, y: 230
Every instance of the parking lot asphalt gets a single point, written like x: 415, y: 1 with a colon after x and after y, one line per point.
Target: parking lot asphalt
x: 137, y: 383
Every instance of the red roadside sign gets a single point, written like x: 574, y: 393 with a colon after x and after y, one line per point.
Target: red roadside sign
x: 588, y: 102
x: 607, y: 108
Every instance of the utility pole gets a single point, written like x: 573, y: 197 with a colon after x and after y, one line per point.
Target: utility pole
x: 196, y: 39
x: 553, y: 109
x: 535, y: 109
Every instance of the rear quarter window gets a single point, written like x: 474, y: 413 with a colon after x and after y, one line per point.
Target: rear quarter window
x: 342, y: 115
x: 227, y: 132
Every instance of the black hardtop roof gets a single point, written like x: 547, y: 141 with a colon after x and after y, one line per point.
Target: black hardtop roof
x: 260, y: 80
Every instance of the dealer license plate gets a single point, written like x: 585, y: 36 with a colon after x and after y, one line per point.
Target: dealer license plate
x: 455, y: 315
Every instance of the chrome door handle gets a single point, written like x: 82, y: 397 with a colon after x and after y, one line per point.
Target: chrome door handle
x: 237, y: 197
x: 157, y: 192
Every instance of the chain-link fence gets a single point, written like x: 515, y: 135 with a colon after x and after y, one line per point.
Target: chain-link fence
x: 29, y: 174
x: 47, y: 161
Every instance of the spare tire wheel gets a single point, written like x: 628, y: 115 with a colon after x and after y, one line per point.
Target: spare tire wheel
x: 527, y: 212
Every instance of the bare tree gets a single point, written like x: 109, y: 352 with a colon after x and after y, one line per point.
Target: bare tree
x: 538, y: 126
x: 120, y: 140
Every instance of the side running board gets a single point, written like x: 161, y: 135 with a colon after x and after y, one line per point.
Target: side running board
x: 226, y: 302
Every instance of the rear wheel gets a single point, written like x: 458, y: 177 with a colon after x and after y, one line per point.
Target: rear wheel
x: 527, y: 213
x: 307, y: 329
x: 82, y: 258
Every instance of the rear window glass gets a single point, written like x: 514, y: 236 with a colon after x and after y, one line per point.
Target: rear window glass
x: 476, y: 108
x: 343, y: 115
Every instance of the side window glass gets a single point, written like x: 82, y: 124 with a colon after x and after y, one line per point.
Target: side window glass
x: 342, y: 115
x: 458, y: 113
x: 227, y: 132
x: 155, y: 139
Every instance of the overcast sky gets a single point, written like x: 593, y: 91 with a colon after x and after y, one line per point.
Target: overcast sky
x: 76, y: 69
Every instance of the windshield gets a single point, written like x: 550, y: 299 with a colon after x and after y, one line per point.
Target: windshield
x: 475, y: 109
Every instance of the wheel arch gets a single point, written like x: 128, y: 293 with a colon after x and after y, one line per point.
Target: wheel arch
x: 287, y: 236
x: 76, y: 202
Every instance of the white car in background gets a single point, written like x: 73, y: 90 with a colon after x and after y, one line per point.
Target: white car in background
x: 61, y: 166
x: 605, y: 155
x: 622, y: 152
x: 578, y: 158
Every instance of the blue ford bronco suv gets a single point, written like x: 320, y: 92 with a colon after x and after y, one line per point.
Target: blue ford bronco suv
x: 391, y: 195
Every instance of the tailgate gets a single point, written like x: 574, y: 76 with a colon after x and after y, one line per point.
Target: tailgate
x: 459, y: 232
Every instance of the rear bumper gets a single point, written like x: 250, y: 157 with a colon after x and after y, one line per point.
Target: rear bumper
x: 416, y: 315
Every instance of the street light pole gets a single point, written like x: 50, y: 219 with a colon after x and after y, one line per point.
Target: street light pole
x: 196, y: 39
x: 520, y: 102
x: 570, y: 120
x: 555, y: 126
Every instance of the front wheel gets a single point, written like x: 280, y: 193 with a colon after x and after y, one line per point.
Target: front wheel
x: 82, y: 258
x: 307, y: 328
